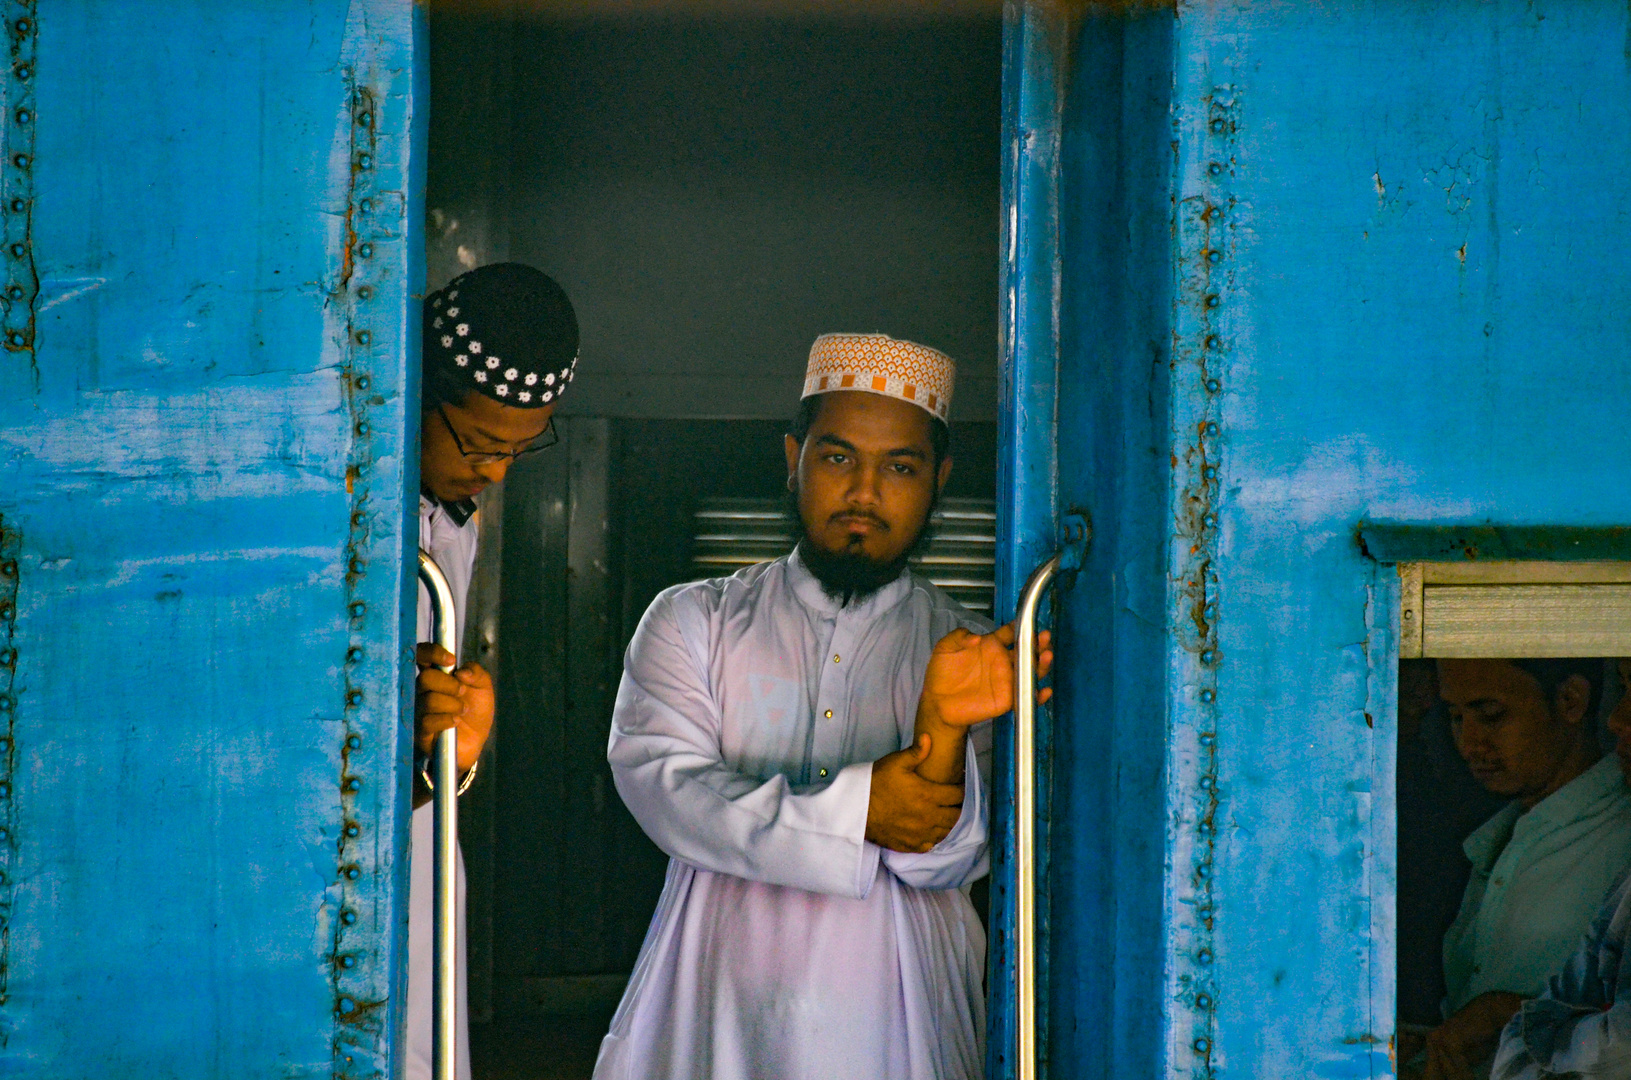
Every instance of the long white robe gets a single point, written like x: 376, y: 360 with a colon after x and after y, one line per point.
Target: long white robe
x: 785, y: 945
x: 453, y: 546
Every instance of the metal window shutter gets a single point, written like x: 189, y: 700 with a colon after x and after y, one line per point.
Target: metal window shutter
x: 1508, y: 609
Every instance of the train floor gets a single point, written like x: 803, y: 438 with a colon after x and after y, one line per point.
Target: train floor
x: 539, y: 1047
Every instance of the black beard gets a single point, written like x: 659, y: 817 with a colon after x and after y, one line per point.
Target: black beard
x: 851, y: 575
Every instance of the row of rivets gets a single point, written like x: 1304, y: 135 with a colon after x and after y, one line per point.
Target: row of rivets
x: 348, y: 963
x: 10, y: 573
x: 1204, y: 490
x: 22, y: 284
x: 21, y: 290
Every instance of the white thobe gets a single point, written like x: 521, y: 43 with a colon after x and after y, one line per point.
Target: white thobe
x: 785, y: 945
x: 453, y: 546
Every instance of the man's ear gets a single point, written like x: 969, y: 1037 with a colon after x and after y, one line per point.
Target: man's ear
x: 1572, y: 697
x: 945, y: 474
x: 791, y: 445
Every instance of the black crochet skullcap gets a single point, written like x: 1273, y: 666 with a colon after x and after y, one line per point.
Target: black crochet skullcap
x: 506, y: 330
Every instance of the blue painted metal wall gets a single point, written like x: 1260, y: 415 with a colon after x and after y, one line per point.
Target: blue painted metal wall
x: 1028, y: 321
x: 211, y: 213
x: 1319, y: 265
x: 1115, y: 400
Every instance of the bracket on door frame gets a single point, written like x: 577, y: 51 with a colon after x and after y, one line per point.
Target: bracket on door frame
x: 1075, y: 531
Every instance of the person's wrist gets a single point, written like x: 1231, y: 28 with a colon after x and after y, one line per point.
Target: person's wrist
x: 1498, y: 1008
x: 930, y: 719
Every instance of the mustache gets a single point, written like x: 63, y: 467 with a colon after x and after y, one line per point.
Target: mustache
x: 859, y: 515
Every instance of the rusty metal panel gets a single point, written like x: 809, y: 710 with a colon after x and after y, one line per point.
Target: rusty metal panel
x: 211, y: 212
x: 1319, y: 266
x: 1420, y: 263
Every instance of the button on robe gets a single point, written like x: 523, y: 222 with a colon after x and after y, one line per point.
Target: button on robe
x: 785, y: 945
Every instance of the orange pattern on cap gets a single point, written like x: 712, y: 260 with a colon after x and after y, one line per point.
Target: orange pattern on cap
x: 879, y: 364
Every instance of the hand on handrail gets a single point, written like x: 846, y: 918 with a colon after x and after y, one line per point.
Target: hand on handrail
x: 970, y: 679
x: 464, y: 697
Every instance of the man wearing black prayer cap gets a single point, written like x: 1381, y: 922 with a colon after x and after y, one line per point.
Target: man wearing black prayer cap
x: 500, y: 347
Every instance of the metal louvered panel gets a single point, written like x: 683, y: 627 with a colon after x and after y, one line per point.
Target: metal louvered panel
x: 1501, y: 608
x: 732, y: 533
x: 960, y: 556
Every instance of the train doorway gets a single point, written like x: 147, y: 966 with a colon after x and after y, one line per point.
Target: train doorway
x: 714, y: 187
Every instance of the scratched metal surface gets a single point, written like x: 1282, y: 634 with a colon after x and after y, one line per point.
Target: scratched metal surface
x: 1321, y: 266
x: 1026, y: 466
x: 212, y: 230
x: 1109, y: 942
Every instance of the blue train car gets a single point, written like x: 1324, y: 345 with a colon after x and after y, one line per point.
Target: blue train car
x: 212, y: 217
x: 1295, y: 295
x: 1306, y: 348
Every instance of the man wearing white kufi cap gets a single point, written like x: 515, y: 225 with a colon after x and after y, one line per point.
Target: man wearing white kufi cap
x: 808, y: 739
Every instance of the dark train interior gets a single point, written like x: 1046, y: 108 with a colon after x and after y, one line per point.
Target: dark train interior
x: 713, y: 190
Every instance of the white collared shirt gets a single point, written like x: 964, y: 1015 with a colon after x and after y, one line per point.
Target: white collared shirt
x: 1581, y: 1026
x: 785, y: 945
x: 1537, y: 880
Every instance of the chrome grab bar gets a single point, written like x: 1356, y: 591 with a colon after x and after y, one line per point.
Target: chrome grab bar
x: 1030, y: 599
x: 444, y: 771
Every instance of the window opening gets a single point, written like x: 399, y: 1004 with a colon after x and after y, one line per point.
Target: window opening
x: 1513, y: 807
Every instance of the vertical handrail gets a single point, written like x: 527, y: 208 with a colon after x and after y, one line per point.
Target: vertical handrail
x: 444, y: 770
x: 1030, y: 601
x: 1036, y: 39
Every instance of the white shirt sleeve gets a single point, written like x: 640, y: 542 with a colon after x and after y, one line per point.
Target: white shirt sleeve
x: 665, y: 757
x: 964, y: 855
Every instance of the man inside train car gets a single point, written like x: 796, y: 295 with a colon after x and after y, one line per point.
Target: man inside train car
x: 1440, y: 804
x: 1581, y: 1025
x: 807, y: 740
x: 500, y: 347
x: 1542, y: 865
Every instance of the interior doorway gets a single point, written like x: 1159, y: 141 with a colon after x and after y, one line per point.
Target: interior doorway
x: 713, y: 190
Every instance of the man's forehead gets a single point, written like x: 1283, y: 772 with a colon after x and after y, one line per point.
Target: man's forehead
x: 502, y: 421
x: 871, y: 420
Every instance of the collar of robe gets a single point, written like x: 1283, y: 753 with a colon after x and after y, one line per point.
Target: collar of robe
x: 807, y: 587
x: 461, y: 511
x: 1584, y: 796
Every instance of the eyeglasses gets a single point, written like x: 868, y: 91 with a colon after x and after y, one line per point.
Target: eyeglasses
x: 544, y: 441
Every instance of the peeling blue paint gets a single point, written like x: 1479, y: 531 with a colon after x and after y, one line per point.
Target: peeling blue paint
x: 203, y: 470
x: 1335, y: 285
x: 1033, y: 42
